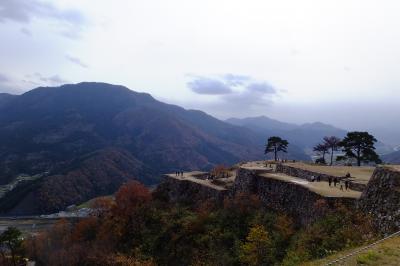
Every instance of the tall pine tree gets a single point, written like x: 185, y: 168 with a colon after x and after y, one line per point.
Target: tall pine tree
x: 360, y: 146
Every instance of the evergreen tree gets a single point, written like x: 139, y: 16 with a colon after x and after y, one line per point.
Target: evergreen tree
x: 11, y: 240
x: 275, y: 145
x: 360, y: 146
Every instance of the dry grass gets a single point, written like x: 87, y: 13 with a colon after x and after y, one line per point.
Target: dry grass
x: 386, y: 253
x: 322, y: 188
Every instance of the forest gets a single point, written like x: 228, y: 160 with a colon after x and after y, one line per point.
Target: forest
x: 140, y: 227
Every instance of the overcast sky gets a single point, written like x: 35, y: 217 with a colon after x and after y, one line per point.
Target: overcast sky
x: 298, y: 61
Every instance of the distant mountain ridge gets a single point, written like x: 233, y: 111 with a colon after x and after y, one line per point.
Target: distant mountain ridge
x: 262, y: 123
x: 60, y: 132
x: 393, y: 158
x: 304, y: 136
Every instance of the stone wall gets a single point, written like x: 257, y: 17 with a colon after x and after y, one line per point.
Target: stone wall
x: 186, y: 191
x: 306, y: 174
x: 290, y: 198
x: 287, y: 197
x: 381, y: 199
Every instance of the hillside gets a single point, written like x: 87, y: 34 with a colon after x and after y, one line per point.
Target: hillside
x: 45, y: 131
x: 5, y: 98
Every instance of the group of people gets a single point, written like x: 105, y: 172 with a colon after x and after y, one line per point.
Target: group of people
x: 313, y: 179
x: 179, y: 173
x: 343, y: 181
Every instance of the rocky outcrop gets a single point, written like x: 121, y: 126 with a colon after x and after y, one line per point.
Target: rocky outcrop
x: 381, y: 199
x: 306, y: 174
x: 299, y: 202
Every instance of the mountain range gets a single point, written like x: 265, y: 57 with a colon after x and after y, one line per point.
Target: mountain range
x: 304, y: 136
x: 64, y: 145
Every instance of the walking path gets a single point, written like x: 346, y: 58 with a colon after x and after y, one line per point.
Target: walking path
x: 358, y: 251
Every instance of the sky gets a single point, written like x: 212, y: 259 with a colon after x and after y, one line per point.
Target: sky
x: 298, y: 61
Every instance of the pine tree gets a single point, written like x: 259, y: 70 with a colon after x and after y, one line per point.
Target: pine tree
x: 275, y: 145
x: 360, y: 145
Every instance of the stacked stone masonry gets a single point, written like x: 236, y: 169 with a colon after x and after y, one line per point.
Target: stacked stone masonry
x: 381, y: 199
x: 287, y: 197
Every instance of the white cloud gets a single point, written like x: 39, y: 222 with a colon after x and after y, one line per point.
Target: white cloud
x: 76, y: 61
x: 70, y: 21
x: 208, y: 86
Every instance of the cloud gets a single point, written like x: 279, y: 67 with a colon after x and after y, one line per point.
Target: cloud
x: 236, y: 94
x: 3, y: 78
x: 8, y: 85
x: 253, y: 96
x: 262, y: 87
x: 26, y: 32
x: 76, y: 61
x: 22, y: 11
x: 51, y: 80
x: 235, y: 80
x: 209, y: 86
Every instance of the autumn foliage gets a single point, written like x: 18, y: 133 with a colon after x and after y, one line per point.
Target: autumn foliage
x: 138, y: 228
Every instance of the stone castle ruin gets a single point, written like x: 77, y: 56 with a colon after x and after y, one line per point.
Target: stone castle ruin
x: 297, y: 189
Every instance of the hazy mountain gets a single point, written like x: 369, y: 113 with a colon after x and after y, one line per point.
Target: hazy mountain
x: 54, y: 135
x: 393, y: 157
x: 304, y: 136
x: 262, y: 123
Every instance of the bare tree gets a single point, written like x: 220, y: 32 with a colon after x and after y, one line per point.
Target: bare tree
x: 333, y: 143
x: 322, y: 149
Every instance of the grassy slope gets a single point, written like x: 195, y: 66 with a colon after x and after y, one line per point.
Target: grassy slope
x: 385, y: 253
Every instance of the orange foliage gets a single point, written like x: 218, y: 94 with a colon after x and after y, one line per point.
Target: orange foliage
x: 85, y: 230
x: 220, y: 171
x: 130, y: 196
x: 102, y: 205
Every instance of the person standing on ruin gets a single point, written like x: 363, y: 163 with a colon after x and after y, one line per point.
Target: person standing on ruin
x: 346, y: 184
x: 335, y: 181
x: 330, y: 181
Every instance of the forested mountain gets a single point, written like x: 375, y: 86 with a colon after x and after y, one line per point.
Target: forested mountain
x: 55, y: 134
